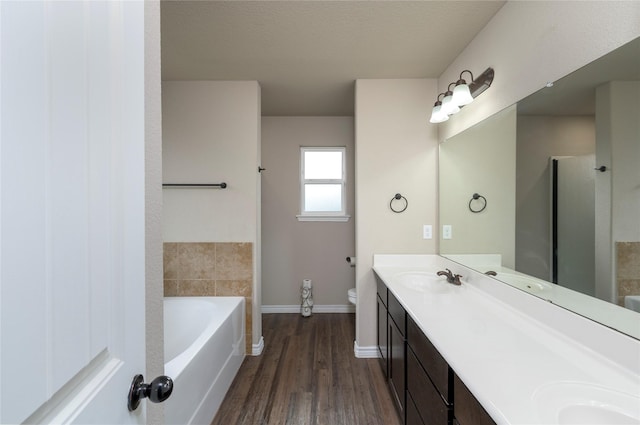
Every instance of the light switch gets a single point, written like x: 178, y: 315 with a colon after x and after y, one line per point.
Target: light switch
x: 447, y: 231
x: 427, y: 231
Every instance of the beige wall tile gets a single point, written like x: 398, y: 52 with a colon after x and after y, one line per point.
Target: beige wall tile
x: 248, y: 316
x: 196, y: 288
x: 170, y: 260
x: 248, y: 344
x: 196, y: 261
x: 628, y: 260
x: 234, y: 288
x: 170, y: 288
x: 628, y: 287
x: 234, y: 261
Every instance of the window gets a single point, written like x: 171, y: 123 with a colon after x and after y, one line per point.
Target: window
x: 322, y: 184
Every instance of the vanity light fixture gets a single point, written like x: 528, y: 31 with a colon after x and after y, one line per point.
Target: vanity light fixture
x: 462, y: 95
x: 483, y: 82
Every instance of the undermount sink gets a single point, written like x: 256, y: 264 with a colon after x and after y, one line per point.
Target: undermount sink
x: 423, y: 281
x: 574, y: 403
x: 588, y: 415
x: 526, y: 283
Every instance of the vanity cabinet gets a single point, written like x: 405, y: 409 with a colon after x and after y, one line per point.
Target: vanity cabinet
x: 391, y: 324
x: 429, y: 380
x: 467, y: 410
x: 396, y: 373
x: 421, y: 382
x: 382, y: 324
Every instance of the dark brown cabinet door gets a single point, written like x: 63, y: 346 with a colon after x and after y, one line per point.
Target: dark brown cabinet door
x: 429, y: 402
x: 467, y: 409
x: 397, y: 365
x: 413, y: 416
x: 383, y: 341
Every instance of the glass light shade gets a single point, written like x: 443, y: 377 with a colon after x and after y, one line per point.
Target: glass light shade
x: 448, y: 107
x: 437, y: 115
x: 462, y: 95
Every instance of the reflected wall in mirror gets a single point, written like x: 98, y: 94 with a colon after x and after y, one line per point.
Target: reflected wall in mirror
x: 551, y: 216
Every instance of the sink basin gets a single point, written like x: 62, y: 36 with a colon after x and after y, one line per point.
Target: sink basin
x: 574, y: 403
x: 588, y: 415
x: 423, y: 282
x: 526, y: 283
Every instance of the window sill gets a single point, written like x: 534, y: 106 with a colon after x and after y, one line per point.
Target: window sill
x: 334, y: 218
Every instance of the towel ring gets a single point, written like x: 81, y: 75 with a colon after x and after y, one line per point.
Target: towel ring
x: 475, y: 197
x: 398, y: 197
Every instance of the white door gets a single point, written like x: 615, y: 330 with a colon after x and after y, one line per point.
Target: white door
x: 71, y: 210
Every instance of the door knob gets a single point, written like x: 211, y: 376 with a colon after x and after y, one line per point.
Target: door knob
x: 157, y: 391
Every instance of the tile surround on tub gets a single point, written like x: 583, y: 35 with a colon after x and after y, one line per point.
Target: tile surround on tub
x: 211, y: 269
x: 627, y: 269
x: 628, y: 256
x: 170, y: 260
x: 234, y: 261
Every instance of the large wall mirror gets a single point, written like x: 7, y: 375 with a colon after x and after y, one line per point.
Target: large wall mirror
x: 545, y: 195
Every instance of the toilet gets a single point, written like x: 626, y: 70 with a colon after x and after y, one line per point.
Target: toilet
x: 351, y: 293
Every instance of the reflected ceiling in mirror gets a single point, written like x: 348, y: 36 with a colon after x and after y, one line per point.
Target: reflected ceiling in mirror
x: 531, y: 161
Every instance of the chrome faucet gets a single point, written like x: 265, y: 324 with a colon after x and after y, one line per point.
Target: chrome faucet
x: 451, y: 278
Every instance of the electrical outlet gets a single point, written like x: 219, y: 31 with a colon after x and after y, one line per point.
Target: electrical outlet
x: 427, y: 231
x: 447, y: 231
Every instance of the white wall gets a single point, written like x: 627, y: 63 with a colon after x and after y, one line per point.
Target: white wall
x: 211, y: 131
x: 294, y: 250
x: 481, y: 160
x: 211, y: 134
x: 529, y: 43
x: 396, y: 152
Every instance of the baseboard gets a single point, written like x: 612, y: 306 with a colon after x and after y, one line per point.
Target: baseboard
x: 256, y: 349
x: 327, y: 308
x: 365, y: 352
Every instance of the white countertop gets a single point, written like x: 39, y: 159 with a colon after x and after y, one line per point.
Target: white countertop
x: 514, y: 363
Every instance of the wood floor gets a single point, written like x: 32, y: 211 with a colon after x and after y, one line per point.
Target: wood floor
x: 307, y: 374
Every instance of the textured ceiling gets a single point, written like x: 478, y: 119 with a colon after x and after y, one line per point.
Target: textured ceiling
x: 306, y: 55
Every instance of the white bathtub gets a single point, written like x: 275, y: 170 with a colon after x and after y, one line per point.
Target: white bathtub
x: 204, y: 341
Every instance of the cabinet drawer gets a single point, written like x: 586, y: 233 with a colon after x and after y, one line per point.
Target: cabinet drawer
x: 382, y: 291
x: 467, y: 410
x: 432, y: 408
x: 397, y: 313
x: 413, y: 417
x: 431, y: 360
